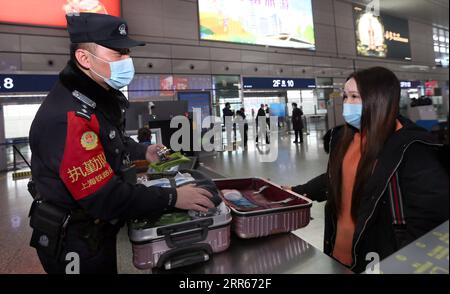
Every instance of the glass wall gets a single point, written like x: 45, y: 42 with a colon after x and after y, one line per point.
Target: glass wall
x: 304, y: 98
x: 18, y: 119
x: 252, y: 104
x: 441, y: 45
x: 405, y: 99
x: 226, y: 89
x: 324, y: 87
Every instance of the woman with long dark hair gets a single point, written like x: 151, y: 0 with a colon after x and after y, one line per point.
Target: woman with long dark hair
x: 385, y: 185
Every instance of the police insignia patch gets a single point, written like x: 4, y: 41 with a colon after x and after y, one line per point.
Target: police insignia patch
x: 89, y: 140
x: 123, y: 29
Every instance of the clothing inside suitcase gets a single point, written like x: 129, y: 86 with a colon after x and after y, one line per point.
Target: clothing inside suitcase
x: 261, y: 208
x: 165, y: 220
x: 175, y: 217
x: 254, y: 194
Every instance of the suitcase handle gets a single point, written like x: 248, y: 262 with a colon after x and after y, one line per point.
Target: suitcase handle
x: 176, y: 235
x: 183, y: 239
x: 185, y: 256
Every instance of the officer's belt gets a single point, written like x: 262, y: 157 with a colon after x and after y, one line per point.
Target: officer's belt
x: 80, y: 216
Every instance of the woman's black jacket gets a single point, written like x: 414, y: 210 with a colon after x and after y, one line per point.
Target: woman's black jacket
x: 413, y: 159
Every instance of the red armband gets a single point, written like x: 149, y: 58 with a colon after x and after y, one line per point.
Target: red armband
x: 84, y: 169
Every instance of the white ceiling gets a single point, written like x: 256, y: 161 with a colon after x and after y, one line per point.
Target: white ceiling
x: 428, y: 11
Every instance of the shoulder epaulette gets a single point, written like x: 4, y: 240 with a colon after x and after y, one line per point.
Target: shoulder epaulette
x: 83, y: 99
x: 87, y: 105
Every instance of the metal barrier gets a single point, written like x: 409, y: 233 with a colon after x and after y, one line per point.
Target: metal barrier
x: 15, y: 158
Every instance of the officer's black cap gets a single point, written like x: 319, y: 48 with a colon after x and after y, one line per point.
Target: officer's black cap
x: 105, y: 30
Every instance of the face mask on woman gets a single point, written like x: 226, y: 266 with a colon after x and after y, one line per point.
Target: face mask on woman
x: 122, y: 72
x: 352, y: 114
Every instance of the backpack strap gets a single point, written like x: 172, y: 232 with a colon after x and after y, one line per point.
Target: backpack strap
x: 396, y: 199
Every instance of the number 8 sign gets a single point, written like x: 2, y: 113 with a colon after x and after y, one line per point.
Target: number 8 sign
x: 8, y: 83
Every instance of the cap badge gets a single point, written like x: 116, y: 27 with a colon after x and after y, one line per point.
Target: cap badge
x: 89, y: 140
x: 123, y: 29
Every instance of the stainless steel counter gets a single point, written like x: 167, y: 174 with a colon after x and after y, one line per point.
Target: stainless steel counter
x: 278, y: 254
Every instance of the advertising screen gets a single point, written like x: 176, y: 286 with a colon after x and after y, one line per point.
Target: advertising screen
x: 278, y: 109
x: 430, y: 88
x: 200, y: 100
x: 280, y: 23
x: 381, y: 36
x: 52, y: 12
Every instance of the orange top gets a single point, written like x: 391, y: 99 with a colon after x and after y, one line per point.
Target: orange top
x: 345, y: 225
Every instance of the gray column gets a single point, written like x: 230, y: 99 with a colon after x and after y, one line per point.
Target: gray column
x: 3, y: 165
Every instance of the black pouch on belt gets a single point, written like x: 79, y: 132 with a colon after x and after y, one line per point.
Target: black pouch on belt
x: 93, y: 235
x: 129, y: 174
x: 49, y: 223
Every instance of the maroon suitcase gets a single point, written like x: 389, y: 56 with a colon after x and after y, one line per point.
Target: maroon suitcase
x: 278, y: 210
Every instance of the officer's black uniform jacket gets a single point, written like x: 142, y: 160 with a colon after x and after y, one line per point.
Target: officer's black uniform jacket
x: 78, y: 151
x: 413, y: 155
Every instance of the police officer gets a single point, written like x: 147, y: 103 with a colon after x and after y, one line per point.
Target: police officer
x: 81, y: 156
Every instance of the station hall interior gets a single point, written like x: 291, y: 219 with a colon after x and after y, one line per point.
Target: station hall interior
x: 210, y: 56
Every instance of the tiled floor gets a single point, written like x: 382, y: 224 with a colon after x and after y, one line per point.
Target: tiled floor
x: 16, y: 256
x: 294, y: 164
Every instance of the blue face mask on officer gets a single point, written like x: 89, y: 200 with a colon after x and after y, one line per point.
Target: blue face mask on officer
x: 122, y: 72
x: 352, y: 114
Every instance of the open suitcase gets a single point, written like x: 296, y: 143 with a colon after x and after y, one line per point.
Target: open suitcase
x: 263, y: 208
x: 180, y: 238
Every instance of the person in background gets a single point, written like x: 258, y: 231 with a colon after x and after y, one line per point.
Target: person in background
x: 267, y: 116
x: 261, y: 129
x: 241, y: 120
x: 228, y: 115
x: 386, y: 184
x: 144, y: 136
x: 297, y: 122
